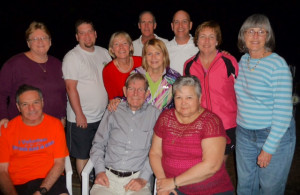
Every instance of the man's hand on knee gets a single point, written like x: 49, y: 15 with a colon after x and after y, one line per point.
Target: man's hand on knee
x: 135, y: 184
x: 102, y: 179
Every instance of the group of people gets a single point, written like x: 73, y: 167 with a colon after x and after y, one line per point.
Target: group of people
x: 173, y: 109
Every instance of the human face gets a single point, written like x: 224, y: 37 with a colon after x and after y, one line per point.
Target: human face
x: 31, y: 107
x: 181, y: 24
x: 154, y: 58
x: 255, y: 39
x: 39, y: 42
x: 86, y: 36
x: 187, y: 103
x: 207, y: 40
x: 121, y: 47
x: 136, y: 94
x: 147, y: 25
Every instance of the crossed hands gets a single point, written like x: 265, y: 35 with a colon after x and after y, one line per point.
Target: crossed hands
x: 165, y: 186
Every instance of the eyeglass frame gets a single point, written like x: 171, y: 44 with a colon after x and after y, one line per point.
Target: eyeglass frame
x: 251, y: 32
x: 36, y: 39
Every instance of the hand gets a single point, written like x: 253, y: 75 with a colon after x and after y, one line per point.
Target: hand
x: 81, y: 121
x: 263, y: 159
x: 63, y: 121
x: 102, y: 179
x: 165, y: 184
x: 3, y: 122
x: 113, y: 104
x: 135, y: 184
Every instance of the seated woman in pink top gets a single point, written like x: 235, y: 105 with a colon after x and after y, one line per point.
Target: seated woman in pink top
x: 188, y: 145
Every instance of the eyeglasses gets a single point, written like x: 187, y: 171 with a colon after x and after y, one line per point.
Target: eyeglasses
x: 133, y: 90
x: 260, y: 33
x: 36, y: 39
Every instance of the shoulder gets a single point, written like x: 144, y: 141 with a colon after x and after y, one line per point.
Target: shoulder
x: 278, y: 61
x: 210, y: 117
x: 139, y: 69
x: 172, y: 73
x: 162, y: 39
x: 15, y: 59
x: 52, y: 120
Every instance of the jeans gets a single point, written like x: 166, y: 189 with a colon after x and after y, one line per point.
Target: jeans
x: 270, y: 180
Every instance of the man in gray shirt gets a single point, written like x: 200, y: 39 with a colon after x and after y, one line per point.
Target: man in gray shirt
x: 122, y: 142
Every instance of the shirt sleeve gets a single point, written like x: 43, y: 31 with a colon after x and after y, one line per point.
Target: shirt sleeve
x: 4, y: 145
x: 61, y: 149
x: 100, y: 141
x: 282, y: 108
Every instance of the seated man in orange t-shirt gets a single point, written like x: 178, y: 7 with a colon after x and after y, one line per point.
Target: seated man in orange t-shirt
x: 33, y: 149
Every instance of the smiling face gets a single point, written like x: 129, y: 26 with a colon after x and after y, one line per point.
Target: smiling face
x: 207, y: 40
x: 39, y: 42
x: 187, y: 103
x: 86, y: 36
x: 255, y: 39
x: 31, y: 105
x: 147, y: 25
x: 120, y: 47
x: 154, y: 58
x: 181, y: 24
x: 136, y: 94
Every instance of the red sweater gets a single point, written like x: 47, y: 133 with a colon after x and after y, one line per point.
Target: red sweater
x: 181, y: 149
x: 114, y: 80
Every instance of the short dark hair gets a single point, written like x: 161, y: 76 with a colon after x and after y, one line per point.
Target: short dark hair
x: 83, y: 21
x: 23, y: 88
x: 136, y: 76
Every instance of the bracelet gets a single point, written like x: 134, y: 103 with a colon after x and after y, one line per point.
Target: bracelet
x: 176, y: 186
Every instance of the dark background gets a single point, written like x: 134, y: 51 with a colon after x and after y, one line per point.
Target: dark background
x: 114, y: 15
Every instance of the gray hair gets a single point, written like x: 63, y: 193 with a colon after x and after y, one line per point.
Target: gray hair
x: 256, y: 21
x: 24, y: 88
x: 136, y: 76
x: 192, y: 81
x: 147, y: 12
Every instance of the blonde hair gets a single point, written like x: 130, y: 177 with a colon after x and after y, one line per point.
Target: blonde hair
x: 157, y: 44
x: 34, y: 26
x: 119, y: 34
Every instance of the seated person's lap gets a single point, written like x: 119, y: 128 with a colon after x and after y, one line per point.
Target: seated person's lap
x: 30, y: 187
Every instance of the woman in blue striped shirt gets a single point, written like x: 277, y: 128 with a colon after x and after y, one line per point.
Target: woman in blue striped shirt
x: 265, y: 133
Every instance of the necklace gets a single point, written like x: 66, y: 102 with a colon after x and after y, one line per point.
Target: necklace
x: 258, y: 61
x: 44, y: 69
x: 121, y: 69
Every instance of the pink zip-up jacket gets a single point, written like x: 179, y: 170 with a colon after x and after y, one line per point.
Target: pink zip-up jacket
x: 217, y: 83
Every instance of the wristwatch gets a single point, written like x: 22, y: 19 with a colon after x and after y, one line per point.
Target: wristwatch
x: 43, y: 190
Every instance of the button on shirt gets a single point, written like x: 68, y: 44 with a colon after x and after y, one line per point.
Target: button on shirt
x: 123, y: 140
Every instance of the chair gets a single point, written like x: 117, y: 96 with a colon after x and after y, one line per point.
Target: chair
x: 69, y: 172
x: 85, y: 177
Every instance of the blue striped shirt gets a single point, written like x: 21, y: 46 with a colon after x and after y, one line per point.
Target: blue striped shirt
x: 264, y: 97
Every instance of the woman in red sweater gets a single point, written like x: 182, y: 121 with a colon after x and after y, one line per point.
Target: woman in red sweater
x: 116, y: 72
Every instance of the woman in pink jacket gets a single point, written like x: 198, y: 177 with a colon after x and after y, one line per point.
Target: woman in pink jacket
x: 217, y: 72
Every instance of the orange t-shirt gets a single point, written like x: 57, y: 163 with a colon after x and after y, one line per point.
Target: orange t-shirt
x: 31, y: 150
